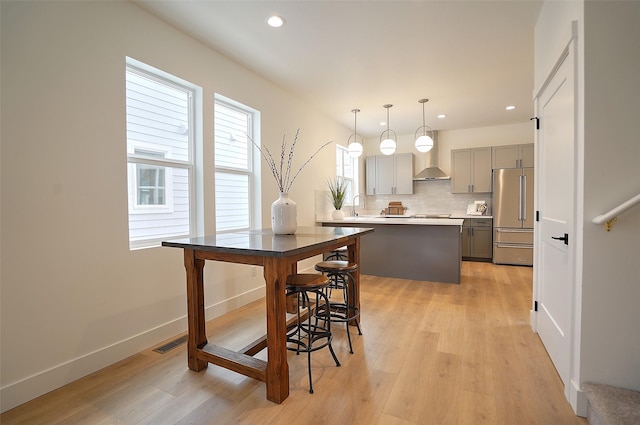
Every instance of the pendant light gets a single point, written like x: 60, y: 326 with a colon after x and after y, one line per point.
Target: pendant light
x: 388, y: 137
x: 424, y: 141
x: 354, y: 147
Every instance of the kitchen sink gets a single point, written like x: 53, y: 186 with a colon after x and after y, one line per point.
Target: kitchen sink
x: 366, y: 218
x: 430, y: 215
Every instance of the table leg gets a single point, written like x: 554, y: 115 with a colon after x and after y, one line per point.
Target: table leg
x: 275, y: 275
x: 354, y: 290
x: 195, y: 309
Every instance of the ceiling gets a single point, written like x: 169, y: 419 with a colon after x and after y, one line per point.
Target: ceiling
x: 469, y: 58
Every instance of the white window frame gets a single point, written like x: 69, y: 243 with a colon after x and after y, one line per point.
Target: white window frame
x: 252, y: 171
x: 193, y: 165
x: 343, y: 152
x: 134, y: 206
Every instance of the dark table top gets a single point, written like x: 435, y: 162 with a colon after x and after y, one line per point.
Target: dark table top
x: 263, y: 242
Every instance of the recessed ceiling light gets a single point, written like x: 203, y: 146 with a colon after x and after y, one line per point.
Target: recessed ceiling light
x: 275, y: 21
x: 383, y: 123
x: 510, y: 108
x: 442, y: 116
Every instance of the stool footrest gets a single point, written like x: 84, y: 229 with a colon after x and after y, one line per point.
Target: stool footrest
x: 305, y: 336
x: 339, y: 312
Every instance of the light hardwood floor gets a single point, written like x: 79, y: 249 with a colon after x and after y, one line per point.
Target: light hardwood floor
x: 430, y: 353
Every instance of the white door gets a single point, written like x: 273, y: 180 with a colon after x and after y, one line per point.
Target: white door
x: 556, y: 204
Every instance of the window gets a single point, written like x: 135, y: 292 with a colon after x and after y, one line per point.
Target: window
x: 347, y: 169
x: 160, y: 155
x: 151, y: 182
x: 234, y: 165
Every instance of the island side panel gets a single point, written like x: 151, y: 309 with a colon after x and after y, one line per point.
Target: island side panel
x: 416, y: 252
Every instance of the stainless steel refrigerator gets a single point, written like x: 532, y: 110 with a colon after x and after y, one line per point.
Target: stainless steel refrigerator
x: 513, y: 216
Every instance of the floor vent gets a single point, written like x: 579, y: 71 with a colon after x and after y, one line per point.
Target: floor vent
x: 171, y: 345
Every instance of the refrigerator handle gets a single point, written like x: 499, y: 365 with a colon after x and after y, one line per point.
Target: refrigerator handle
x: 523, y: 195
x: 520, y: 198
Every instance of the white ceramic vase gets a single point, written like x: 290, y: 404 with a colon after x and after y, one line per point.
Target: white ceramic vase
x: 337, y: 215
x: 284, y: 215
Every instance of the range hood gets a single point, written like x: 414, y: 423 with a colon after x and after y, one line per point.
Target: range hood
x: 432, y: 172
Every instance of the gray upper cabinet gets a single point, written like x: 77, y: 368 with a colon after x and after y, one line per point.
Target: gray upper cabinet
x: 370, y: 175
x: 389, y: 175
x: 512, y: 156
x: 385, y: 174
x: 404, y: 174
x: 471, y: 170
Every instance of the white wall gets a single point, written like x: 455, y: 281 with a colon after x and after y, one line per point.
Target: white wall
x: 74, y: 297
x: 611, y: 287
x: 607, y: 346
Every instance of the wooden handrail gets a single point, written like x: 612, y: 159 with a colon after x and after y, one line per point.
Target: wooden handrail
x: 609, y: 217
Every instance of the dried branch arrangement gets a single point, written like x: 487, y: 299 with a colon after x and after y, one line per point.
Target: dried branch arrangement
x: 280, y: 173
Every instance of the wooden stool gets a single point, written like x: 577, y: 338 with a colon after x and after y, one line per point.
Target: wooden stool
x: 307, y: 336
x: 340, y: 277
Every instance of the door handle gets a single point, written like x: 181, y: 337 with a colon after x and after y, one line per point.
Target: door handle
x: 564, y: 238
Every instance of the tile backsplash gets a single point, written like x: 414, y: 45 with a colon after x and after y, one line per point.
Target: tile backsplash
x: 432, y: 196
x: 429, y: 197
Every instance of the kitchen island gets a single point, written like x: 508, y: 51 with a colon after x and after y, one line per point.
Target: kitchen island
x: 409, y: 248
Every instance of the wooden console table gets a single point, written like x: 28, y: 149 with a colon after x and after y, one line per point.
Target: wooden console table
x: 278, y: 255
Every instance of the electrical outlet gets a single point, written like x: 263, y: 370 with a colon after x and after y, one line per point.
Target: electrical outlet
x: 253, y: 271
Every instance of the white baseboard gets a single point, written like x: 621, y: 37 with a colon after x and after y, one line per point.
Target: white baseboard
x: 578, y: 399
x: 574, y: 395
x: 26, y: 389
x: 533, y: 320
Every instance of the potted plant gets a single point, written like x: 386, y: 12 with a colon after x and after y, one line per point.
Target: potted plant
x: 337, y: 195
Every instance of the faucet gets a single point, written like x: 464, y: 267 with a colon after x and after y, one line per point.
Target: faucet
x: 353, y: 203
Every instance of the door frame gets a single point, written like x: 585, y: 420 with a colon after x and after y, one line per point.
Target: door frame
x: 572, y: 390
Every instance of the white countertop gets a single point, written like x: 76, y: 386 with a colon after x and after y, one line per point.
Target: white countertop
x: 364, y: 219
x: 456, y: 219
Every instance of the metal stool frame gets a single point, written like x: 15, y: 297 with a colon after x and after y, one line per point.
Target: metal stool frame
x: 340, y: 277
x: 337, y: 255
x: 304, y: 337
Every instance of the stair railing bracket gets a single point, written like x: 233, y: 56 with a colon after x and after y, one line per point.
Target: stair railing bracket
x: 608, y: 218
x: 609, y: 224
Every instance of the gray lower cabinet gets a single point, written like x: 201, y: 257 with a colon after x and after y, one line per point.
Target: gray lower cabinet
x: 477, y: 239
